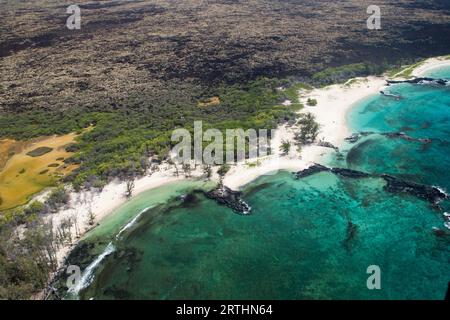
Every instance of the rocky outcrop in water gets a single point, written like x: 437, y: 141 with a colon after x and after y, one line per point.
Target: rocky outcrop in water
x: 229, y: 198
x: 429, y: 193
x: 344, y: 172
x: 432, y: 194
x: 388, y: 94
x: 355, y: 137
x: 327, y: 144
x: 403, y: 135
x: 315, y: 168
x: 349, y: 173
x: 440, y: 233
x: 358, y: 135
x: 421, y: 80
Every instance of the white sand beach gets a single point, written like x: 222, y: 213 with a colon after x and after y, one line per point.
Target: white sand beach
x: 333, y: 102
x: 430, y: 64
x: 101, y: 203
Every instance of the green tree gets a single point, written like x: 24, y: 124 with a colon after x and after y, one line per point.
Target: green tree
x: 285, y: 147
x: 207, y: 171
x: 309, y: 129
x: 311, y: 102
x: 222, y: 171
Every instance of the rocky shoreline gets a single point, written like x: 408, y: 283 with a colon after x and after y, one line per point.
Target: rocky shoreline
x: 432, y: 194
x: 421, y: 80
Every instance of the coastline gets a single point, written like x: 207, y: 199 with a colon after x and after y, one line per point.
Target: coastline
x: 333, y: 103
x: 430, y: 64
x: 101, y: 203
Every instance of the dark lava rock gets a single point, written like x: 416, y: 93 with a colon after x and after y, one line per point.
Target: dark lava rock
x: 388, y: 94
x: 403, y: 135
x: 349, y: 173
x: 421, y: 80
x: 429, y: 193
x: 353, y: 138
x: 189, y: 200
x: 327, y: 144
x: 440, y: 233
x: 392, y: 135
x: 315, y: 168
x: 358, y: 135
x: 229, y: 198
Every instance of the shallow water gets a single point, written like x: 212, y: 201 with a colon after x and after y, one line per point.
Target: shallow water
x: 306, y: 239
x: 440, y: 73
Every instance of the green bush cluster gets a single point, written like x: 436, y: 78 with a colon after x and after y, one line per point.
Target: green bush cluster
x: 343, y: 73
x: 127, y: 132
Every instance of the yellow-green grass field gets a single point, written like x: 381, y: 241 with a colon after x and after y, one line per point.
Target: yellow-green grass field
x: 22, y: 175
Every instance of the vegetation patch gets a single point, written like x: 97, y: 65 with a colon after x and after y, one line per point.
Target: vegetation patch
x: 343, y: 73
x: 16, y: 189
x: 39, y: 151
x: 126, y: 133
x: 309, y: 129
x: 351, y: 82
x: 292, y: 92
x: 405, y: 72
x: 311, y: 102
x: 213, y: 101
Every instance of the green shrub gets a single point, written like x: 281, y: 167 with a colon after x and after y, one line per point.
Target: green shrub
x: 343, y: 73
x: 311, y: 102
x: 223, y: 170
x: 126, y: 131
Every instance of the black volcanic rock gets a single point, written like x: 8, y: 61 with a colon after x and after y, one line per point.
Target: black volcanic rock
x: 229, y: 198
x: 421, y: 80
x: 142, y: 47
x: 431, y: 194
x: 392, y: 135
x: 327, y: 144
x: 344, y: 172
x: 315, y: 168
x: 349, y: 173
x: 353, y: 138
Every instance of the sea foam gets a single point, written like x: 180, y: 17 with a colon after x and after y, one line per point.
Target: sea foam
x: 88, y: 274
x: 132, y: 222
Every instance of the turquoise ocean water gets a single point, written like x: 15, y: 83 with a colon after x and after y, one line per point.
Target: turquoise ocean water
x: 311, y: 238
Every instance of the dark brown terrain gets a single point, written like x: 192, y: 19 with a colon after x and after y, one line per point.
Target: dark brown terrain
x: 172, y: 49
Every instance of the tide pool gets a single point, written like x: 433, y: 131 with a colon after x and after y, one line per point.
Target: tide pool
x: 312, y: 238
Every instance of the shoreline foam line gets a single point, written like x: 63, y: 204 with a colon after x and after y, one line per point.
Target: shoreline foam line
x: 132, y: 222
x: 88, y: 274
